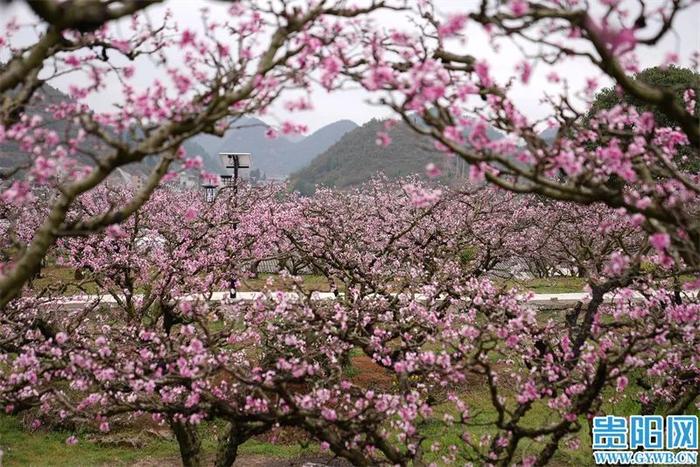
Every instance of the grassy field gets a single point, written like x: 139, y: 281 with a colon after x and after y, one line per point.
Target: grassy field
x: 549, y: 284
x: 45, y: 448
x: 54, y: 276
x: 311, y: 282
x: 48, y: 448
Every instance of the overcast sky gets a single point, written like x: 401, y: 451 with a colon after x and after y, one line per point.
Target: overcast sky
x: 356, y: 105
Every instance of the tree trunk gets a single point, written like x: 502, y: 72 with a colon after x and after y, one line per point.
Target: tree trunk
x: 236, y: 435
x: 189, y: 443
x: 227, y: 450
x: 254, y: 268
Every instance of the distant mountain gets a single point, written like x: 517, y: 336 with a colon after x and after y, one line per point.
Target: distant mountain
x: 549, y: 134
x: 277, y: 157
x: 11, y: 154
x: 357, y: 157
x: 273, y: 157
x: 320, y: 140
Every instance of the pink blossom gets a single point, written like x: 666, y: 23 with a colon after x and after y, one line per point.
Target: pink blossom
x: 621, y: 383
x: 432, y: 170
x: 271, y: 133
x: 482, y: 71
x: 525, y: 70
x: 624, y: 40
x: 453, y: 25
x: 169, y: 177
x: 553, y: 77
x: 329, y: 414
x: 591, y: 85
x: 187, y: 38
x: 422, y: 197
x: 689, y: 99
x: 115, y: 232
x: 433, y: 92
x: 476, y: 173
x: 194, y: 163
x: 122, y: 45
x: 574, y: 444
x: 383, y: 139
x: 289, y: 128
x: 210, y: 178
x: 617, y: 264
x: 390, y: 123
x: 454, y: 133
x: 61, y: 338
x: 182, y: 82
x: 17, y: 194
x: 646, y: 122
x: 298, y: 104
x: 660, y: 241
x: 331, y: 69
x: 670, y: 59
x: 72, y: 60
x: 223, y: 50
x: 518, y: 7
x: 190, y: 214
x: 378, y: 77
x: 528, y: 393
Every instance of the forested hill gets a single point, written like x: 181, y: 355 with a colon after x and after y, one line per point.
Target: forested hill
x: 356, y: 157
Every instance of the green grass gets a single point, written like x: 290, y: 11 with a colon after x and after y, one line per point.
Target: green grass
x: 549, y: 284
x: 54, y: 276
x: 288, y: 451
x: 310, y: 282
x: 561, y: 284
x: 44, y: 448
x: 483, y: 414
x: 48, y: 448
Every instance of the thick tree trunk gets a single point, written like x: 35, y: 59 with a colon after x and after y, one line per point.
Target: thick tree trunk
x: 236, y: 435
x: 254, y: 268
x: 189, y: 443
x: 227, y: 450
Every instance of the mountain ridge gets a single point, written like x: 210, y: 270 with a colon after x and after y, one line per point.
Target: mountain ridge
x: 278, y: 157
x: 357, y: 157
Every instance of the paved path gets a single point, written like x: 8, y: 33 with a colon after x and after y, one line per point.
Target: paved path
x: 545, y: 300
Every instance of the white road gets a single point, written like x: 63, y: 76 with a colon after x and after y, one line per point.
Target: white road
x: 547, y: 300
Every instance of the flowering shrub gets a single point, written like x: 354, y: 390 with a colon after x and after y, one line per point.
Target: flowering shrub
x: 432, y: 322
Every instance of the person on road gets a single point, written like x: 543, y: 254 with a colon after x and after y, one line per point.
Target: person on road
x: 232, y: 288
